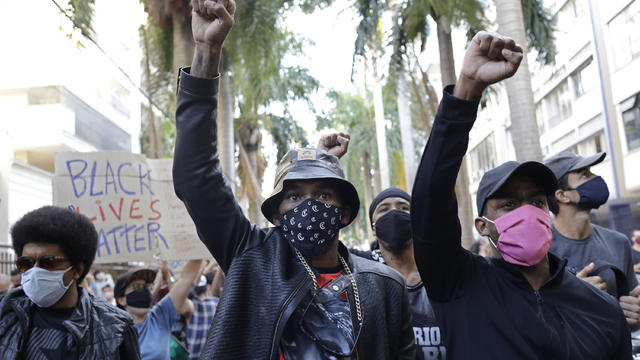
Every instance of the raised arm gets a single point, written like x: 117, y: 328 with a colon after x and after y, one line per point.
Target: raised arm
x: 436, y: 228
x: 197, y: 174
x: 181, y: 288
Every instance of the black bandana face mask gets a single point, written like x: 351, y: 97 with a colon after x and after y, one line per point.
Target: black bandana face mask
x: 311, y: 227
x: 394, y: 228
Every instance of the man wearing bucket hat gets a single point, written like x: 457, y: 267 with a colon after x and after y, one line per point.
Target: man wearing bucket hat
x: 596, y: 254
x: 293, y: 291
x: 524, y: 305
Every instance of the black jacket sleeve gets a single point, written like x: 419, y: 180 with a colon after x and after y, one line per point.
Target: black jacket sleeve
x: 407, y: 348
x: 197, y: 174
x: 130, y: 347
x: 436, y: 229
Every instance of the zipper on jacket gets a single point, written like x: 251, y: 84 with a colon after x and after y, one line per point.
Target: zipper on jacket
x: 539, y: 301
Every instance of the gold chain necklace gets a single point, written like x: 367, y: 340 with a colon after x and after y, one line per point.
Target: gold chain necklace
x: 356, y: 293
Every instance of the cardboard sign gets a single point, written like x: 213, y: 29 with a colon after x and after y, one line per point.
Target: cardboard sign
x: 131, y: 202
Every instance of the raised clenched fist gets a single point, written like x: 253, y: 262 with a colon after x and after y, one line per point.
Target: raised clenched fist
x: 335, y: 144
x: 211, y: 21
x: 490, y: 58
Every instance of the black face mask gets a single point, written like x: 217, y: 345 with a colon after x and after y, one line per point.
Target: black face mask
x: 593, y: 193
x: 140, y: 298
x: 394, y: 228
x: 311, y: 227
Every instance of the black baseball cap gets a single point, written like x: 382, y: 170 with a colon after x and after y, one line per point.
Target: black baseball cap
x: 127, y: 278
x: 493, y: 179
x: 311, y: 164
x: 567, y: 161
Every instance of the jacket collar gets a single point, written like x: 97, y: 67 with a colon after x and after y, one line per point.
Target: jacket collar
x: 77, y: 323
x: 513, y: 274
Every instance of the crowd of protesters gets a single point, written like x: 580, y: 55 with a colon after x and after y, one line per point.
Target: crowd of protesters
x: 535, y: 287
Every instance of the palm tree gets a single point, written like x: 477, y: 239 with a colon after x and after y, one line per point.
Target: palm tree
x: 411, y: 25
x: 511, y: 22
x: 369, y: 45
x: 354, y: 113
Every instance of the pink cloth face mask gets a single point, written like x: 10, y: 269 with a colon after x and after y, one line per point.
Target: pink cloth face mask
x: 525, y: 235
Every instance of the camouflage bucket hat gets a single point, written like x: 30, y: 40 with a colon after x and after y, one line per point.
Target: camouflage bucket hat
x: 311, y: 164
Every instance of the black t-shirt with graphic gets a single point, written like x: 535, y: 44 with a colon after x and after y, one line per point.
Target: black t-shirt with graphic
x: 49, y: 338
x: 426, y: 330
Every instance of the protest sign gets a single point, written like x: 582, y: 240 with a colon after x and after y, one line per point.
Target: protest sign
x: 131, y: 202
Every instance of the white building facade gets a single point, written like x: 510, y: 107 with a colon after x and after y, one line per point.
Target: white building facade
x: 60, y: 92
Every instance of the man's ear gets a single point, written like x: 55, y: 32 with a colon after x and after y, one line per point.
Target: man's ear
x: 79, y: 269
x: 122, y: 301
x: 482, y: 227
x: 346, y: 215
x: 276, y: 214
x: 561, y: 197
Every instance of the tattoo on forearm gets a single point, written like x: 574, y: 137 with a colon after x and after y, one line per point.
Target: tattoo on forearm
x: 205, y: 63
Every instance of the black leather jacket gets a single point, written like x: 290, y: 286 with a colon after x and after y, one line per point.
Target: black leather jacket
x: 101, y: 331
x: 265, y: 282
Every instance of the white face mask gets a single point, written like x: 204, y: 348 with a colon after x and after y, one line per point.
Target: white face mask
x: 44, y: 287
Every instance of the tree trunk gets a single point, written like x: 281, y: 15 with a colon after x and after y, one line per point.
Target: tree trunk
x: 524, y: 128
x: 366, y: 172
x: 183, y: 45
x: 226, y: 144
x: 406, y: 131
x: 447, y: 68
x: 249, y: 139
x: 381, y: 137
x: 445, y: 45
x: 156, y: 146
x: 377, y: 186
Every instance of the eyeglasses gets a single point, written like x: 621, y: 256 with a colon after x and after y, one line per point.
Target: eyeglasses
x: 47, y: 262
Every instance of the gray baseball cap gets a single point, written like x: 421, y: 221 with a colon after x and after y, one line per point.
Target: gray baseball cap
x: 311, y: 164
x: 493, y: 179
x: 567, y: 161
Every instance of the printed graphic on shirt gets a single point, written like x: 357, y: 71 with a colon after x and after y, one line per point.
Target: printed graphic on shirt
x: 49, y: 344
x: 429, y: 338
x: 324, y: 324
x: 429, y: 345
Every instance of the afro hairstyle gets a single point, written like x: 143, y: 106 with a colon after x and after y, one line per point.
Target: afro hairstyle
x: 73, y: 232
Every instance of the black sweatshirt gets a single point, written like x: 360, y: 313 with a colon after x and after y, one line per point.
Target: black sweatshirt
x: 487, y: 309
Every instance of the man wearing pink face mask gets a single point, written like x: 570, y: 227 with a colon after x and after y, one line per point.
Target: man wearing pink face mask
x: 523, y: 304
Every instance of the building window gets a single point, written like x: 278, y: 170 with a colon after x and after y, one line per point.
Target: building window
x: 572, y: 12
x: 631, y: 120
x: 624, y: 35
x: 483, y: 158
x: 585, y: 78
x: 557, y: 104
x: 540, y: 118
x: 589, y: 146
x: 43, y: 95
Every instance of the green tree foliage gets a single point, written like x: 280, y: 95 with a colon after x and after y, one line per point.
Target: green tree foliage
x: 354, y: 113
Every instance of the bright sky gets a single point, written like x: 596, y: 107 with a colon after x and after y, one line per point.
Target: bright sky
x: 328, y: 57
